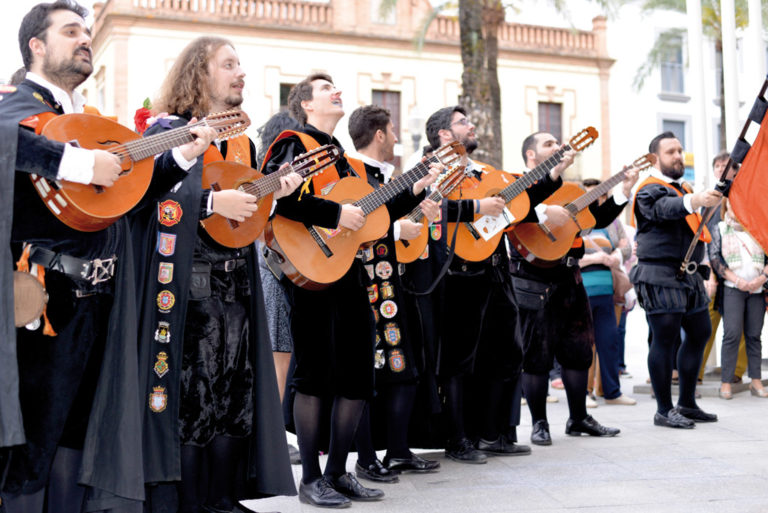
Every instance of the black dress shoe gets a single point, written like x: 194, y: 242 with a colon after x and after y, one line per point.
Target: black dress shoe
x: 673, y: 419
x: 696, y: 414
x: 413, y: 464
x: 350, y: 487
x: 376, y: 472
x: 540, y: 433
x: 320, y: 493
x: 588, y: 426
x: 464, y: 451
x: 501, y: 447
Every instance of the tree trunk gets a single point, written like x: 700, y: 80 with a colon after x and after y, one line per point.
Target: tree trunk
x: 721, y: 78
x: 479, y: 22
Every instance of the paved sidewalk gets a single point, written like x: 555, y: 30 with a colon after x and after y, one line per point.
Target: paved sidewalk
x: 719, y: 467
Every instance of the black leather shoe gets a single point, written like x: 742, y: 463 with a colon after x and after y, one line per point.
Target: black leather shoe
x: 351, y: 488
x: 500, y: 447
x: 673, y: 419
x: 320, y: 493
x: 376, y: 472
x: 413, y: 464
x: 540, y: 433
x: 464, y: 451
x: 696, y: 414
x: 588, y: 426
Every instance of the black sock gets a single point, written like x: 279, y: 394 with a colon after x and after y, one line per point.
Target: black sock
x: 491, y: 408
x: 344, y: 419
x: 400, y: 400
x: 64, y: 494
x: 366, y: 453
x: 697, y: 330
x: 535, y: 388
x: 575, y: 383
x: 307, y: 411
x: 224, y: 453
x: 454, y: 408
x: 189, y: 486
x: 666, y: 332
x: 25, y: 503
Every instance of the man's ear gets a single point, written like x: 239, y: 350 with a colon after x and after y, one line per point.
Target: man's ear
x: 380, y: 135
x: 37, y: 46
x: 306, y: 105
x: 445, y: 136
x: 529, y: 155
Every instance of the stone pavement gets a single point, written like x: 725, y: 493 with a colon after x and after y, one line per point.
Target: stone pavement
x: 719, y: 467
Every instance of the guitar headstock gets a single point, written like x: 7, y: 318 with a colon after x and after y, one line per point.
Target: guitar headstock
x: 229, y: 123
x: 644, y: 162
x: 583, y: 139
x: 450, y: 179
x: 315, y: 161
x: 451, y: 154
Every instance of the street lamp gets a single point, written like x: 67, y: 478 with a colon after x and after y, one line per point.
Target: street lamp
x: 415, y: 128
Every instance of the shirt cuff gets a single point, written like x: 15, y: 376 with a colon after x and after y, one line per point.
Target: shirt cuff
x: 396, y: 230
x: 76, y: 165
x: 618, y: 195
x: 541, y: 212
x: 687, y: 203
x: 209, y: 207
x: 183, y: 163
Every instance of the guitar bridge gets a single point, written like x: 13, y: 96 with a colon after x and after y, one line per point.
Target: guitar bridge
x: 472, y: 230
x: 320, y: 242
x: 547, y: 232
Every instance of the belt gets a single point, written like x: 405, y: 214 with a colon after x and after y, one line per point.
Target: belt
x: 228, y: 265
x: 569, y: 261
x: 93, y: 271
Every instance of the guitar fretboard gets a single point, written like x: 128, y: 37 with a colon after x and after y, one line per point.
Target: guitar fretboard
x: 378, y: 197
x: 521, y: 184
x: 584, y: 200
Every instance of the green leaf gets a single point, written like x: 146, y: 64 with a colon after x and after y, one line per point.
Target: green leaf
x: 147, y: 103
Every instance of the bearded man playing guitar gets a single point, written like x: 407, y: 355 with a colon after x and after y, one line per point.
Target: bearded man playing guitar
x: 554, y: 315
x: 477, y: 303
x: 77, y: 370
x: 333, y: 328
x: 205, y: 352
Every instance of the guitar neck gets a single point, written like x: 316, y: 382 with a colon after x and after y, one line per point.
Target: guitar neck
x: 146, y: 147
x: 378, y: 197
x: 586, y: 199
x: 534, y: 175
x: 416, y: 214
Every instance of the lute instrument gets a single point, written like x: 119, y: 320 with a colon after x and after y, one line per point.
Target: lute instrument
x: 313, y: 257
x: 90, y: 208
x: 544, y: 245
x: 477, y: 240
x: 223, y: 175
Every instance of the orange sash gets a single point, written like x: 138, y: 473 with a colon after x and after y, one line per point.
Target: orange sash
x: 693, y: 220
x: 238, y: 150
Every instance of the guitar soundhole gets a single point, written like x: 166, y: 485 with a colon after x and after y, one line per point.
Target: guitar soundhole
x: 127, y: 167
x: 97, y: 188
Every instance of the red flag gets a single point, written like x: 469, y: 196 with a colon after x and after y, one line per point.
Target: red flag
x: 749, y: 192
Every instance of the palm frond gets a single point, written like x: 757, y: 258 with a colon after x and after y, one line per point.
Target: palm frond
x: 665, y: 42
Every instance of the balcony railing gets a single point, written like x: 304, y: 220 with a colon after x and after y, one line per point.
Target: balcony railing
x: 278, y: 12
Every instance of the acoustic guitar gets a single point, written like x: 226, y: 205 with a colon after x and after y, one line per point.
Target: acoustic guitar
x: 477, y: 240
x: 409, y: 250
x: 231, y: 175
x: 544, y: 245
x: 314, y: 257
x: 90, y: 208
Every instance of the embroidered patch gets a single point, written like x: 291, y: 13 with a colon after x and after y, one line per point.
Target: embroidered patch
x: 165, y: 300
x: 379, y: 360
x: 163, y: 332
x: 435, y: 231
x: 158, y: 399
x: 367, y: 256
x: 378, y: 340
x: 5, y: 89
x: 166, y: 243
x: 392, y: 333
x: 39, y: 97
x: 396, y: 361
x: 165, y: 272
x: 375, y: 315
x: 169, y: 213
x: 388, y: 309
x: 329, y: 232
x: 387, y: 291
x: 373, y: 293
x: 325, y: 190
x: 439, y: 216
x: 161, y: 365
x: 369, y: 270
x: 384, y: 270
x: 425, y: 255
x: 382, y: 250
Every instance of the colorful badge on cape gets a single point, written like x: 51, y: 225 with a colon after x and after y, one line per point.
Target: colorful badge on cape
x: 165, y: 301
x: 165, y: 273
x: 388, y: 309
x: 158, y: 399
x: 7, y: 89
x: 381, y: 250
x: 425, y: 255
x: 375, y: 315
x: 392, y: 333
x: 387, y: 290
x: 439, y: 216
x: 163, y: 332
x: 384, y: 270
x: 373, y: 293
x: 378, y: 359
x: 166, y: 243
x: 169, y: 213
x: 369, y: 270
x: 161, y: 365
x: 435, y: 231
x: 396, y: 361
x: 325, y: 190
x: 367, y: 255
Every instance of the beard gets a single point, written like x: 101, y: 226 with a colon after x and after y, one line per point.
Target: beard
x: 672, y: 171
x: 69, y: 73
x: 470, y: 145
x: 233, y: 100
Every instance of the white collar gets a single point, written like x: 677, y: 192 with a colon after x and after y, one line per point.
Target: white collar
x: 656, y: 173
x: 386, y: 168
x: 69, y: 105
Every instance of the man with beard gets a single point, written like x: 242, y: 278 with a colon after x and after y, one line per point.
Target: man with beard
x: 559, y: 324
x: 481, y: 347
x: 77, y: 370
x: 666, y: 222
x: 205, y: 352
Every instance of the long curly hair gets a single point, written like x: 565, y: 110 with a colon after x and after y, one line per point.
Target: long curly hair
x: 185, y: 89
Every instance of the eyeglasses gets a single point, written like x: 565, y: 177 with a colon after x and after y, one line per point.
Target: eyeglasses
x: 462, y: 121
